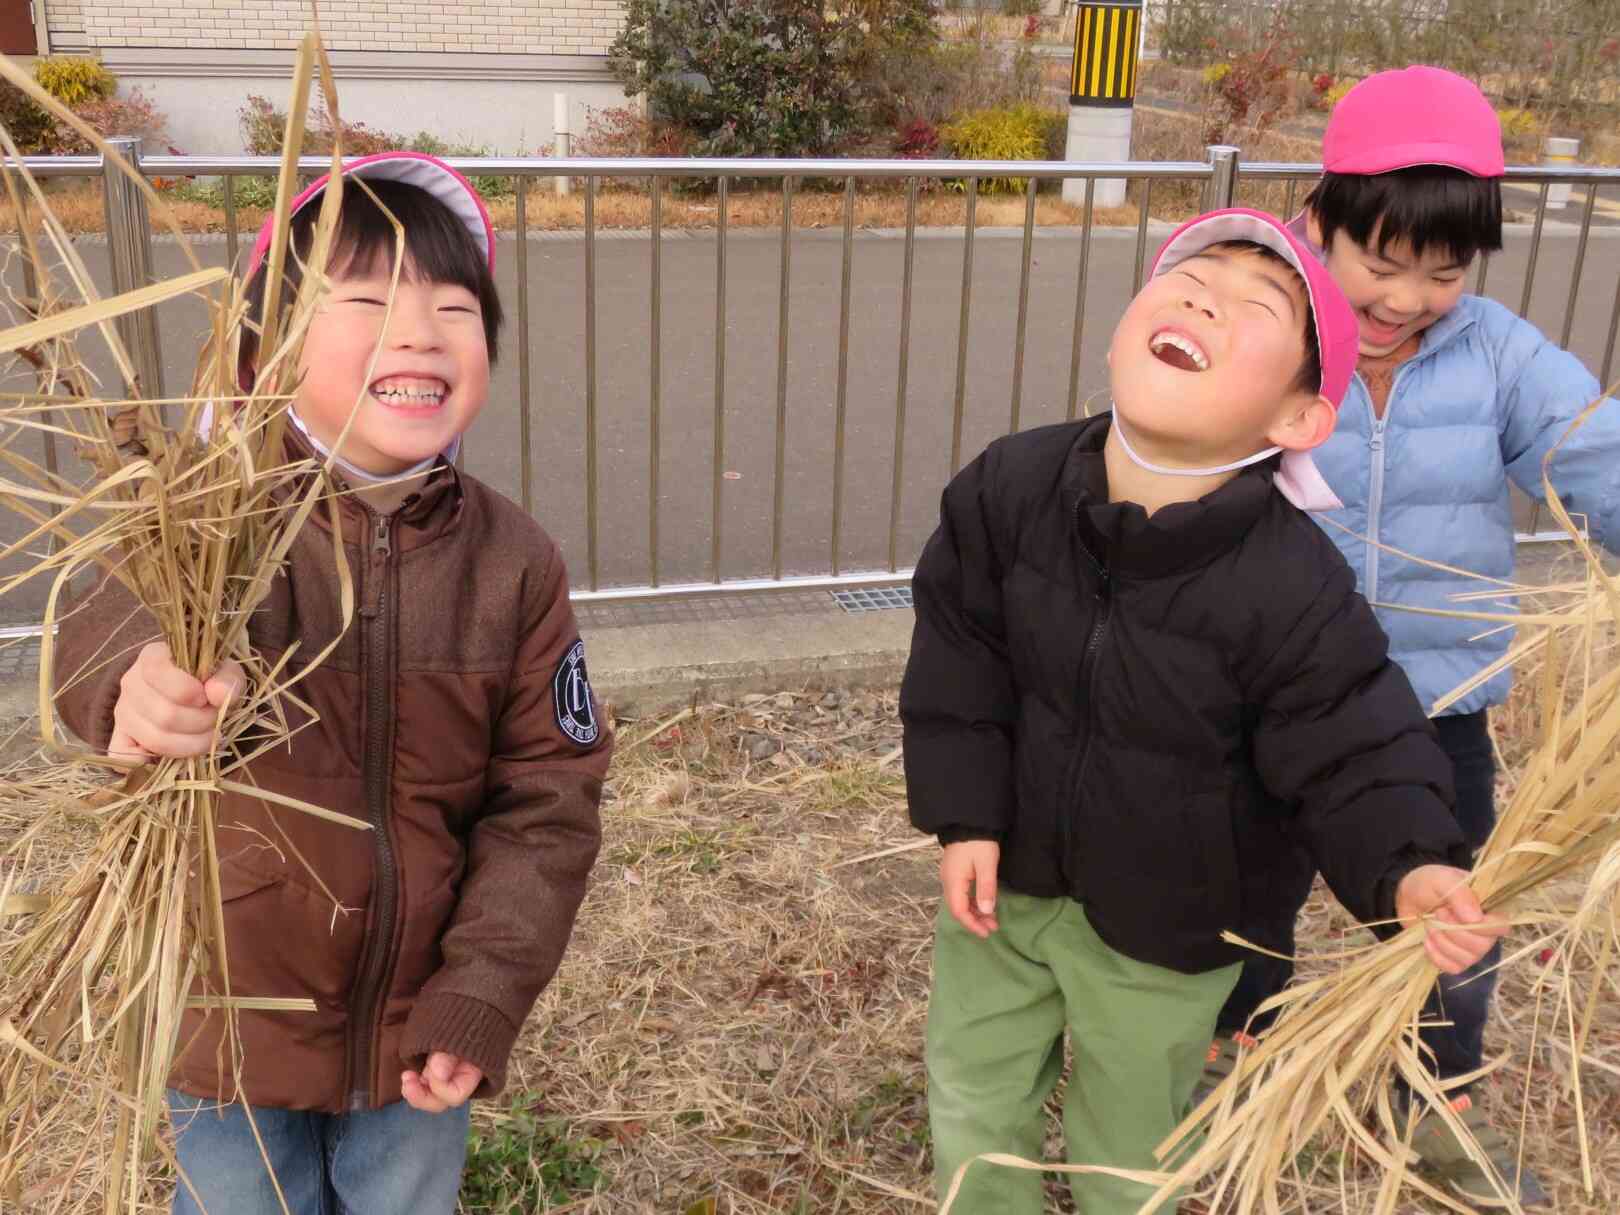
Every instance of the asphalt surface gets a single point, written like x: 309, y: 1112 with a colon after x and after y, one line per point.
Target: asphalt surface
x: 555, y: 334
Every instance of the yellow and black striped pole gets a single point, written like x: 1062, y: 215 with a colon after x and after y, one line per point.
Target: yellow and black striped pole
x: 1106, y: 38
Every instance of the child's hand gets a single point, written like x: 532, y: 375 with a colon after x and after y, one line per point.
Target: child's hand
x: 971, y: 863
x: 1441, y: 891
x: 161, y: 710
x: 444, y: 1083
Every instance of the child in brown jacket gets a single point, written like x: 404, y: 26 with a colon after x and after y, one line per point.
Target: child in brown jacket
x: 455, y: 716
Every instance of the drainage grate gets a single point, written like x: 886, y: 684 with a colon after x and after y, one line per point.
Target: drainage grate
x: 873, y: 598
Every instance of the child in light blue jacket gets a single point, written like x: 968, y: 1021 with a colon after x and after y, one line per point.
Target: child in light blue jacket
x: 1454, y: 398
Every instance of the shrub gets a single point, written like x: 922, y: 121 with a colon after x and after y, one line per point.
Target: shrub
x: 762, y: 77
x: 935, y: 80
x: 264, y: 126
x: 1021, y: 132
x: 74, y: 81
x: 917, y: 139
x: 1216, y: 72
x: 1337, y: 93
x: 623, y: 130
x: 1518, y: 123
x: 133, y: 114
x: 26, y: 122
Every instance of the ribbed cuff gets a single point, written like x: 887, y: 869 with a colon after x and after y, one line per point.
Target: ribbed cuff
x: 464, y: 1027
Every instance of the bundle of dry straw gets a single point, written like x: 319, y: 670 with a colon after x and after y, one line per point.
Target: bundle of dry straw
x: 1552, y: 868
x: 193, y: 505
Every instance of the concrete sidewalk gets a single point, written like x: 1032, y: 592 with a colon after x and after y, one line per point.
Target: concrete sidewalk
x: 647, y: 658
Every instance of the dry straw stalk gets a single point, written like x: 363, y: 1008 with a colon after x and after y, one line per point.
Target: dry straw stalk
x: 193, y: 505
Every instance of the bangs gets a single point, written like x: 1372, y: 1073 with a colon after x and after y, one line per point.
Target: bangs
x: 1424, y: 207
x: 438, y: 248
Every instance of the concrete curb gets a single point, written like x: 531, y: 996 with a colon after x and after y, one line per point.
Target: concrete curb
x: 652, y: 668
x: 648, y: 669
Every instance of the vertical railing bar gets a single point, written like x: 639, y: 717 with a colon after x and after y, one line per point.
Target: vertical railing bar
x: 590, y: 385
x: 1288, y: 199
x: 232, y: 235
x: 1023, y: 308
x: 905, y: 361
x: 1614, y: 328
x: 1484, y: 269
x: 525, y: 387
x: 719, y: 379
x: 843, y: 372
x: 1580, y: 264
x: 962, y: 326
x: 1141, y: 236
x: 655, y: 377
x: 780, y: 487
x: 31, y: 293
x: 129, y: 256
x: 1080, y: 301
x: 1535, y: 250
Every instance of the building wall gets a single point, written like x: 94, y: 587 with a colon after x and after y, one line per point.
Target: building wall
x: 563, y: 27
x: 478, y: 72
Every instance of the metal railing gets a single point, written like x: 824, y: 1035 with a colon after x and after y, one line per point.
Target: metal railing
x: 1218, y: 181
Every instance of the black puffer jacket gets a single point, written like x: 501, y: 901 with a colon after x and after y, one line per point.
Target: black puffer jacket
x: 1175, y: 719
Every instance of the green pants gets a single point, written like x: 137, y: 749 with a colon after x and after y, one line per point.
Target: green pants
x: 1139, y: 1033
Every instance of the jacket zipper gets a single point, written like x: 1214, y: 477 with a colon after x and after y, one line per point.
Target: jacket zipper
x: 1375, y: 495
x: 1088, y: 665
x: 366, y: 997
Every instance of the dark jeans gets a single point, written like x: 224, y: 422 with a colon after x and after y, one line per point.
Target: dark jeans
x: 1464, y: 1000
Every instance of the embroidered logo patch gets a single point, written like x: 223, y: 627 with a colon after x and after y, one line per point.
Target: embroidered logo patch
x: 571, y: 693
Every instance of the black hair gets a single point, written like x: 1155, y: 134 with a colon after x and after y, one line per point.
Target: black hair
x: 1309, y: 378
x: 1425, y: 206
x: 438, y: 248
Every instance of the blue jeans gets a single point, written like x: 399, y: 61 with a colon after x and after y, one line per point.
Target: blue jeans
x: 371, y: 1162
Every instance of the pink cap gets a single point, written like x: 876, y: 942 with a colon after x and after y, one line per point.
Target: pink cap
x: 1337, y: 333
x: 1338, y: 336
x: 413, y: 168
x: 1414, y: 116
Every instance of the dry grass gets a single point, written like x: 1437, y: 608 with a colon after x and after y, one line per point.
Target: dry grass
x: 738, y: 1019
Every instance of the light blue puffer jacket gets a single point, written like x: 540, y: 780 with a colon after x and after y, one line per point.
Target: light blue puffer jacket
x: 1483, y: 400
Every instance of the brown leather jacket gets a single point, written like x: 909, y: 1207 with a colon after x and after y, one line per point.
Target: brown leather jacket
x: 456, y: 718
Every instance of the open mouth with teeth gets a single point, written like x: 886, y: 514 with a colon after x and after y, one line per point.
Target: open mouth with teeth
x: 410, y: 392
x: 1178, y: 350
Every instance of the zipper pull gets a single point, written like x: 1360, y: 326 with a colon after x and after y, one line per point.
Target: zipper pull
x: 1376, y: 443
x: 381, y: 546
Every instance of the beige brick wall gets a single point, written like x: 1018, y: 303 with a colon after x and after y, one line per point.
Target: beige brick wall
x: 561, y: 27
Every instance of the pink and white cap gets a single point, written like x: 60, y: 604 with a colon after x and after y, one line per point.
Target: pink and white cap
x: 1337, y: 334
x: 1414, y: 116
x: 413, y: 168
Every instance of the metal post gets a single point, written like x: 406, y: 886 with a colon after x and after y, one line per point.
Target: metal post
x: 1222, y: 184
x: 129, y: 252
x: 562, y: 141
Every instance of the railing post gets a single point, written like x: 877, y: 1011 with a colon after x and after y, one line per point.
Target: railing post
x: 129, y: 253
x: 1223, y: 163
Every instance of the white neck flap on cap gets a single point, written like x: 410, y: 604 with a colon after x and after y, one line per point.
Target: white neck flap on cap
x: 359, y: 475
x: 1297, y: 477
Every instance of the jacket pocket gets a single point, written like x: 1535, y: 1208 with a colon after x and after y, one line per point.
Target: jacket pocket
x: 283, y: 939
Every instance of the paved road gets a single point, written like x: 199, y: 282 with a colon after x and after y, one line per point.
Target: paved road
x: 556, y: 343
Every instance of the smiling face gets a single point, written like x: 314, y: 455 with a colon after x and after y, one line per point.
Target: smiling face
x: 1395, y: 292
x: 431, y: 376
x: 1206, y: 363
